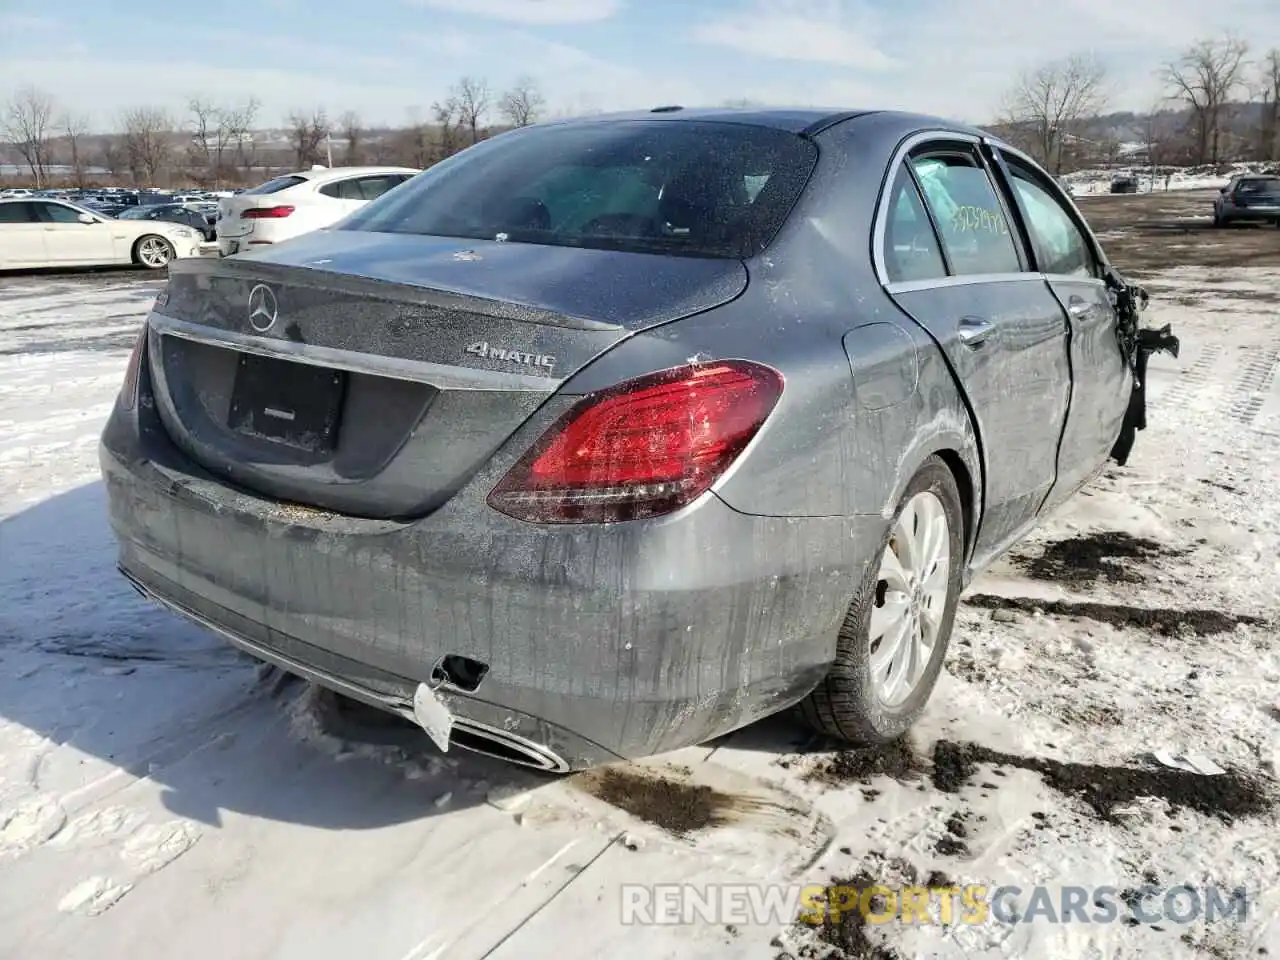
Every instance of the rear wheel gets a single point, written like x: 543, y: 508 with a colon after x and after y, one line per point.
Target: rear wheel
x: 153, y: 252
x: 894, y: 638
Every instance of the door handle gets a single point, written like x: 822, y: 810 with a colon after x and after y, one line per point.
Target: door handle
x: 974, y: 331
x: 1078, y: 306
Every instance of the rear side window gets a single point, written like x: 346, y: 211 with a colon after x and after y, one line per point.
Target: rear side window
x: 1060, y: 246
x: 975, y: 231
x: 17, y: 213
x: 274, y: 186
x: 371, y: 188
x: 362, y: 188
x: 677, y: 187
x: 911, y: 250
x: 342, y: 190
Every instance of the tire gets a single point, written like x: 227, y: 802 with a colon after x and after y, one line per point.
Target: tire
x: 153, y: 252
x: 849, y: 704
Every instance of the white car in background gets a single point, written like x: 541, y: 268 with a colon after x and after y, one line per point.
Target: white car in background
x: 40, y: 232
x: 298, y: 203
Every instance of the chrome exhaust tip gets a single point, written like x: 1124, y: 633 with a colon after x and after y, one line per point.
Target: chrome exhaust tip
x: 476, y: 737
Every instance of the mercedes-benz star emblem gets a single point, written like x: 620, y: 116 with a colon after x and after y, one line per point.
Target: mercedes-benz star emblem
x: 262, y: 308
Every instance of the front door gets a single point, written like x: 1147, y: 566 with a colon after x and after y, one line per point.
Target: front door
x: 69, y: 241
x: 1101, y: 379
x: 999, y: 325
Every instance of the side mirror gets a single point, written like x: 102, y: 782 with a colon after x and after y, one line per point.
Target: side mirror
x: 1222, y: 189
x: 87, y: 218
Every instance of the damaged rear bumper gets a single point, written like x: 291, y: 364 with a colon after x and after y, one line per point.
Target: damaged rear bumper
x: 600, y: 641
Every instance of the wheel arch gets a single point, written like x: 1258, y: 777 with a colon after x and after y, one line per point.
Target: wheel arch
x: 137, y: 243
x: 958, y: 449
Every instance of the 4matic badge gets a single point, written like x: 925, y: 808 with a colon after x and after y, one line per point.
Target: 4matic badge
x: 485, y: 351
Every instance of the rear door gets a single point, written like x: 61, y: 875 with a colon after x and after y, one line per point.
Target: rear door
x: 965, y: 279
x: 22, y: 241
x: 1065, y: 253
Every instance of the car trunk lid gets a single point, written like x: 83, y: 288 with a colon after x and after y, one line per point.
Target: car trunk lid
x: 231, y: 221
x: 374, y: 374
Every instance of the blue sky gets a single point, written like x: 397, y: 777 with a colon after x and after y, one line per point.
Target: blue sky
x: 383, y: 58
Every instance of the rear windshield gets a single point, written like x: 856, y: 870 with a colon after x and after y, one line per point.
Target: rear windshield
x: 676, y: 187
x: 1268, y: 186
x: 274, y: 186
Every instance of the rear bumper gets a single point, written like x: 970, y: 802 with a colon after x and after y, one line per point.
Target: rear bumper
x: 232, y: 245
x: 602, y: 641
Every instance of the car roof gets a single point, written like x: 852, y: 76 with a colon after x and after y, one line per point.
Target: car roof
x: 340, y: 172
x: 790, y: 119
x: 808, y: 121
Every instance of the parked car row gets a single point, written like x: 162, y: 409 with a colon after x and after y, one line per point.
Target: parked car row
x: 280, y: 209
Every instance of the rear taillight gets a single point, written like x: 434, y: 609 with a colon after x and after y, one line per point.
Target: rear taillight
x: 129, y: 389
x: 644, y: 448
x: 266, y: 213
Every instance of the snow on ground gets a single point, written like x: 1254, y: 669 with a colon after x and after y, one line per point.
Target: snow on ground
x: 161, y: 795
x: 1092, y: 182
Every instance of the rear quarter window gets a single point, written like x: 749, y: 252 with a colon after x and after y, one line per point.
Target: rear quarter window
x: 684, y: 188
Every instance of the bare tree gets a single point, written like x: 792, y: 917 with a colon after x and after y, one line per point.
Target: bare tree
x: 353, y: 133
x: 206, y: 119
x: 523, y: 103
x: 471, y: 99
x: 74, y: 128
x: 1159, y: 140
x: 1204, y: 79
x: 1269, y: 94
x: 148, y: 143
x: 446, y: 116
x: 28, y: 123
x: 308, y: 131
x: 1048, y: 104
x: 1108, y: 148
x: 240, y: 133
x: 416, y: 148
x: 112, y: 157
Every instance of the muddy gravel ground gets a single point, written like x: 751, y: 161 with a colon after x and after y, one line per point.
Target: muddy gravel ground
x: 1147, y: 232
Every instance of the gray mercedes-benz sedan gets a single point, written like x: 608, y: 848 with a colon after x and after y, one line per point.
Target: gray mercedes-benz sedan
x: 609, y: 436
